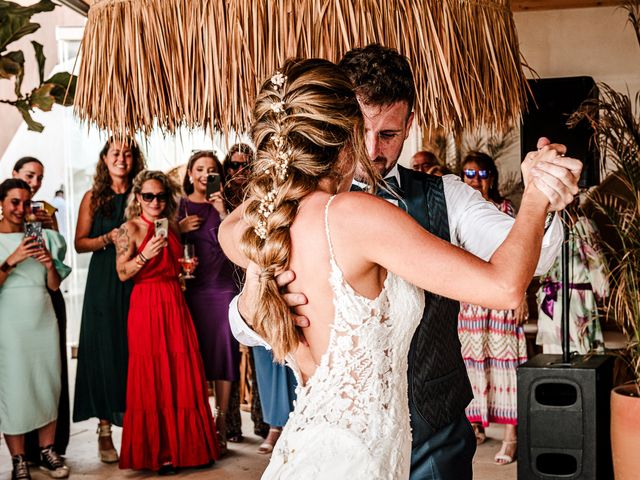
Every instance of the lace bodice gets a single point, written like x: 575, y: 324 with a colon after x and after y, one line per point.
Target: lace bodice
x: 356, y: 402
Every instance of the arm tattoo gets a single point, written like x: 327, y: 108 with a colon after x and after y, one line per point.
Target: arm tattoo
x: 122, y: 241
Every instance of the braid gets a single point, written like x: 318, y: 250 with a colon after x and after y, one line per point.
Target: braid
x: 304, y: 117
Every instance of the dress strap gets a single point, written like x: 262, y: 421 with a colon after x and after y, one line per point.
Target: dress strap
x: 326, y: 227
x: 148, y: 222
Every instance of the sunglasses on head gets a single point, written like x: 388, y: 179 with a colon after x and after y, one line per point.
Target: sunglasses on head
x: 470, y: 173
x: 148, y: 196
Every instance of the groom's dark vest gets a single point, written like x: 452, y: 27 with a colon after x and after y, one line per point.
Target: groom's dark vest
x: 438, y: 383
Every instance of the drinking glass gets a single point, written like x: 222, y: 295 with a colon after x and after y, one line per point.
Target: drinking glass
x: 189, y: 260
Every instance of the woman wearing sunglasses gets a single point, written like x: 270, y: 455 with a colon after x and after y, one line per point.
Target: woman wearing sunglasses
x: 102, y: 352
x: 168, y: 422
x: 210, y: 292
x: 493, y: 341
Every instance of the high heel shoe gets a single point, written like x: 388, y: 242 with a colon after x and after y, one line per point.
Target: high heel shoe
x: 502, y: 458
x: 266, y: 447
x: 109, y: 454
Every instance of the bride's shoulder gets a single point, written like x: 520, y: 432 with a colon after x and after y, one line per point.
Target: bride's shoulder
x: 362, y: 205
x: 357, y: 200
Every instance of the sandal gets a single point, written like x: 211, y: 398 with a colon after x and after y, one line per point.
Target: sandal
x: 266, y: 447
x: 501, y: 457
x: 478, y: 431
x: 106, y: 451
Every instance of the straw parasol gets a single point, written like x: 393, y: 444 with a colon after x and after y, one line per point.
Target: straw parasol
x: 199, y: 63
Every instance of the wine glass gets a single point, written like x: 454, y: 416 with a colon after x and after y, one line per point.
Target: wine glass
x: 189, y: 261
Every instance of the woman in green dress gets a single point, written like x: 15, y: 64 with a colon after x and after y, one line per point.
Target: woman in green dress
x: 29, y: 350
x: 101, y: 377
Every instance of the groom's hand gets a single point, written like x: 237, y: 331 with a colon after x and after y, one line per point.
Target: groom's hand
x: 292, y: 299
x: 249, y: 297
x: 554, y: 174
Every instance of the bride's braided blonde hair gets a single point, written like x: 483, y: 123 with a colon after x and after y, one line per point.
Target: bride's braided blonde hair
x: 304, y: 116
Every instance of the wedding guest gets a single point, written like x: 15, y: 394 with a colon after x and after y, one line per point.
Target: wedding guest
x: 102, y: 352
x: 210, y: 292
x: 588, y: 277
x: 168, y: 422
x: 277, y: 387
x: 29, y: 341
x: 493, y: 341
x: 424, y: 161
x: 237, y: 167
x: 31, y: 170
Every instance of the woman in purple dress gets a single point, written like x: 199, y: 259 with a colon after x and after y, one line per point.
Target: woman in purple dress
x: 213, y: 288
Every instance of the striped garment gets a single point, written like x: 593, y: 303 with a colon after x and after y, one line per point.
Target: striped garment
x: 493, y: 345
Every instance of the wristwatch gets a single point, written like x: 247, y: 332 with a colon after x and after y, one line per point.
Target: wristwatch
x: 6, y: 268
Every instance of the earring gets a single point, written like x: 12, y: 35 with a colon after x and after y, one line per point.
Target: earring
x: 190, y: 179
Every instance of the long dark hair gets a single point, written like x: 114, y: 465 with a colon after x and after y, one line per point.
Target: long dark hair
x: 10, y: 184
x: 23, y: 161
x: 102, y: 193
x: 187, y: 186
x: 485, y: 162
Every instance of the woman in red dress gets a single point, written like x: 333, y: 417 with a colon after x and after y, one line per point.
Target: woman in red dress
x: 167, y: 422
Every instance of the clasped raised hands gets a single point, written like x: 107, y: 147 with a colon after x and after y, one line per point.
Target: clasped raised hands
x: 555, y: 175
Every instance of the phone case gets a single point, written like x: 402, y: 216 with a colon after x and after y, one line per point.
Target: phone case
x: 162, y: 227
x: 33, y: 229
x: 213, y: 184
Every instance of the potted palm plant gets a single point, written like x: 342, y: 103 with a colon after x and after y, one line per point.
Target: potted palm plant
x: 615, y: 118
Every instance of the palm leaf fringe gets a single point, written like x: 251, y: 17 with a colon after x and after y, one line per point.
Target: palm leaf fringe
x: 199, y: 63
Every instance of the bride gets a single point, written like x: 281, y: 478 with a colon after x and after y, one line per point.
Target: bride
x: 362, y: 264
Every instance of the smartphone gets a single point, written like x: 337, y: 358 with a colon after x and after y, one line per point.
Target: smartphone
x: 34, y: 230
x: 162, y: 227
x: 36, y: 205
x: 213, y: 184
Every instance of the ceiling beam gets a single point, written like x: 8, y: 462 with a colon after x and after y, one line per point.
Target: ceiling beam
x: 528, y: 5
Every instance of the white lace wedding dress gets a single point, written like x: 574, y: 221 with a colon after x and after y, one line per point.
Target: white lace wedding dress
x: 351, y: 419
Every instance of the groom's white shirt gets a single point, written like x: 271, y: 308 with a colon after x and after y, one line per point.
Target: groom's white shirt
x: 474, y: 224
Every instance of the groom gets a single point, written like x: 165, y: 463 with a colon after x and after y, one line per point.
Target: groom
x: 443, y: 442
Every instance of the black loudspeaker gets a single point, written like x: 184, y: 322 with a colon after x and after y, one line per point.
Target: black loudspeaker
x: 563, y: 418
x: 553, y: 102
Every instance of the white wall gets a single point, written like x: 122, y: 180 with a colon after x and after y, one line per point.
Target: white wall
x: 598, y: 42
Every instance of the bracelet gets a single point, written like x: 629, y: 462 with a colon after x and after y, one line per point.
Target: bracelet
x: 105, y: 241
x: 143, y: 258
x: 139, y: 261
x: 6, y: 267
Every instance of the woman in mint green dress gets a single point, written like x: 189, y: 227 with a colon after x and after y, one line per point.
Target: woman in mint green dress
x: 29, y: 350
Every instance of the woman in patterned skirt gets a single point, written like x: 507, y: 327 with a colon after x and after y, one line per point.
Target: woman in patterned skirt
x: 493, y: 341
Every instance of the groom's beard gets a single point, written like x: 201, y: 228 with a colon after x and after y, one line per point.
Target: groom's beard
x: 361, y: 176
